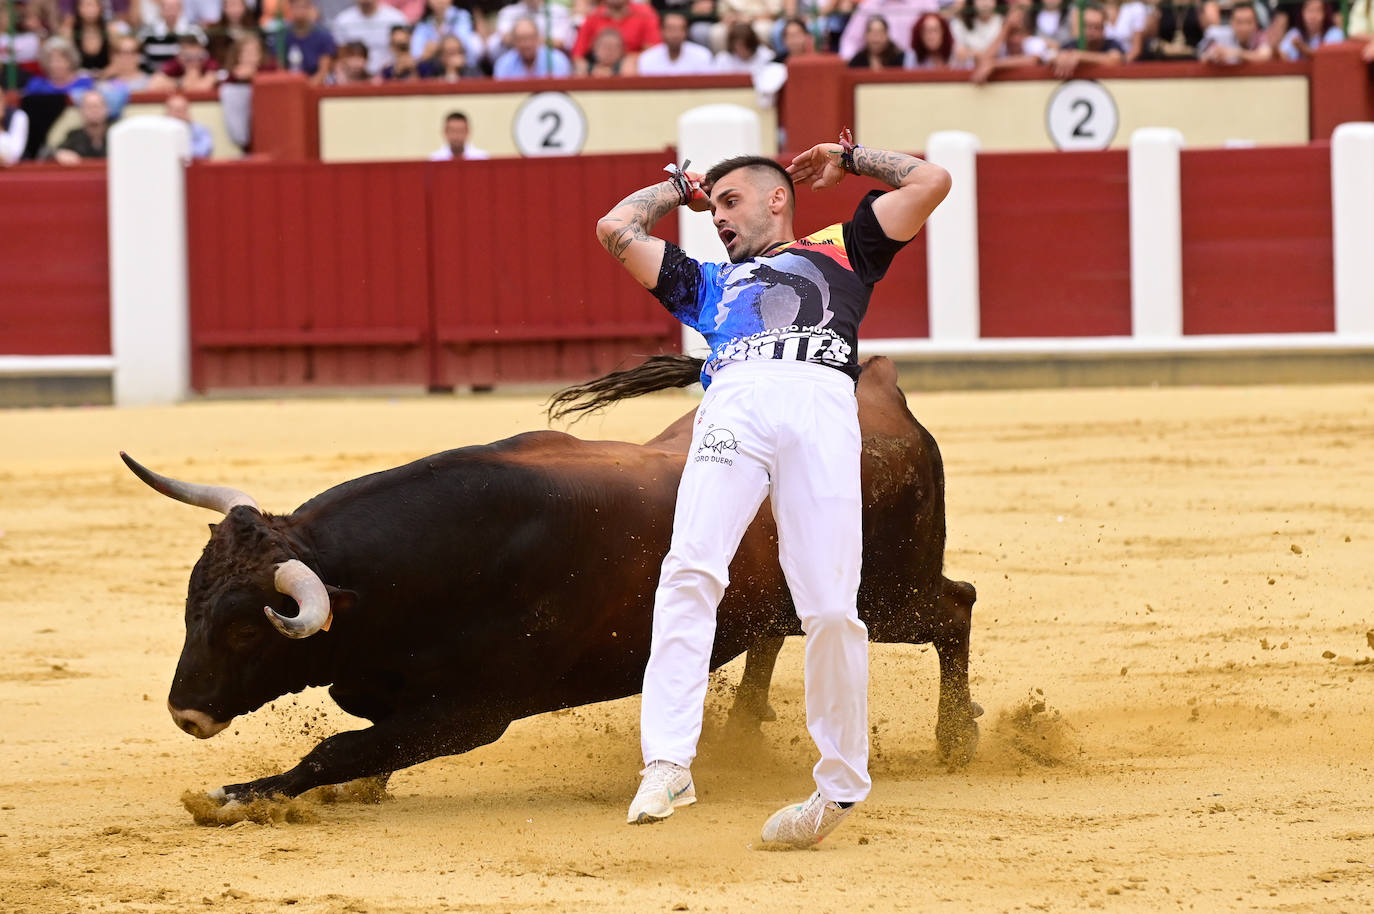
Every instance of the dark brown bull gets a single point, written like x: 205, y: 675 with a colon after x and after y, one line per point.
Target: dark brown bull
x: 443, y: 599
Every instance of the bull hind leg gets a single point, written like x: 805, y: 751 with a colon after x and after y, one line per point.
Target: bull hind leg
x: 751, y: 697
x: 956, y: 730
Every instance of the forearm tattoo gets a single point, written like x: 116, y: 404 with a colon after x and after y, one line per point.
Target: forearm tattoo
x: 892, y: 168
x: 636, y: 214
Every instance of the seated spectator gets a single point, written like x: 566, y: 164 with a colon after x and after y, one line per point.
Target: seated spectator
x: 88, y: 140
x: 351, y: 67
x: 452, y: 63
x: 608, y: 56
x: 202, y: 143
x: 1240, y: 42
x: 1360, y: 26
x: 1126, y: 23
x: 247, y: 58
x: 976, y: 28
x: 759, y: 14
x: 200, y: 13
x: 1018, y: 47
x: 1316, y: 27
x: 932, y: 44
x: 675, y: 55
x: 370, y: 22
x: 1176, y: 32
x: 834, y: 16
x: 879, y: 52
x: 743, y: 52
x: 14, y: 133
x: 900, y: 16
x: 159, y: 38
x: 310, y: 49
x: 403, y: 64
x: 442, y: 18
x: 124, y: 76
x: 554, y: 16
x: 456, y: 145
x: 90, y: 34
x: 1052, y: 22
x: 797, y: 41
x: 1092, y: 47
x: 60, y: 76
x: 236, y: 20
x: 23, y: 48
x: 529, y: 57
x: 637, y: 24
x: 191, y: 70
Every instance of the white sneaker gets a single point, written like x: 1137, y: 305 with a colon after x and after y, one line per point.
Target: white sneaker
x: 804, y: 824
x: 665, y: 787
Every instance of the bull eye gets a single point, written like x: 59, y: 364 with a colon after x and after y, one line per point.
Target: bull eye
x: 244, y: 635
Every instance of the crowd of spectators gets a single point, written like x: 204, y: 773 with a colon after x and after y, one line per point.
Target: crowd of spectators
x: 80, y: 49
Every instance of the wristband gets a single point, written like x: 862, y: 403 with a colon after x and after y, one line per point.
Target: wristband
x: 847, y: 147
x: 686, y: 190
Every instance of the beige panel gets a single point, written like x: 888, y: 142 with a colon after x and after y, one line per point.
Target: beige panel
x: 411, y: 126
x: 206, y: 113
x: 1011, y: 115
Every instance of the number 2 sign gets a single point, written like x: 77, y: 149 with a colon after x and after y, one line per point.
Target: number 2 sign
x: 1081, y: 115
x: 550, y: 124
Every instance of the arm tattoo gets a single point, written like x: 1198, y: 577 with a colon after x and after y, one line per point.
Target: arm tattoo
x: 635, y: 215
x: 892, y: 168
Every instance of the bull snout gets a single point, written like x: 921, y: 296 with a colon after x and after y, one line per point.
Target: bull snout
x: 197, y: 723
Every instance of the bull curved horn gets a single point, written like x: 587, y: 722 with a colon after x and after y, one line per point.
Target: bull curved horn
x: 295, y: 579
x: 219, y: 498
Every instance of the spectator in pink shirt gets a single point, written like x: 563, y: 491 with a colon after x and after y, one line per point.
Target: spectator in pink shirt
x: 900, y: 16
x: 637, y: 24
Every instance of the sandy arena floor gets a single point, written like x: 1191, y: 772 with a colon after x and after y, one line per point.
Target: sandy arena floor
x: 1170, y: 641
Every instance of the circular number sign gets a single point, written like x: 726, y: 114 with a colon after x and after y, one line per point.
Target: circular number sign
x: 550, y: 124
x: 1081, y: 115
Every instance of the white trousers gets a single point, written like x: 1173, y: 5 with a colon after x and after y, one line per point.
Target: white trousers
x: 789, y: 429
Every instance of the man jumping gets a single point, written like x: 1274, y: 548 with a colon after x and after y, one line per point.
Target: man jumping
x: 779, y: 417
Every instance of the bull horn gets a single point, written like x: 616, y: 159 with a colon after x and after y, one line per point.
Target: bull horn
x: 219, y: 498
x: 295, y: 579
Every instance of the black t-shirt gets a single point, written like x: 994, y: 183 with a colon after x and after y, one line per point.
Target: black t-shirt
x: 801, y: 300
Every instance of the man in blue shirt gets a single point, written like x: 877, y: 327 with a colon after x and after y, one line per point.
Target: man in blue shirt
x: 309, y: 49
x: 529, y: 57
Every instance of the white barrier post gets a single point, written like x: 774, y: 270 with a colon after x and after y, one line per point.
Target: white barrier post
x: 952, y: 240
x: 149, y: 323
x: 1352, y: 227
x: 1156, y: 234
x: 706, y: 135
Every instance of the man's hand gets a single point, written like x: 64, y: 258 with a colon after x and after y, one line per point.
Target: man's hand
x: 820, y: 165
x: 701, y: 199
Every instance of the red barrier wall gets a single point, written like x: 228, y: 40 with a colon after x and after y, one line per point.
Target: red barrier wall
x: 55, y: 262
x: 1257, y: 240
x: 414, y: 273
x: 1054, y: 254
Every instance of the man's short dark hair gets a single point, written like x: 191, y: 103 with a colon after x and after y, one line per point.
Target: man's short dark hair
x: 1244, y: 5
x: 456, y: 116
x: 723, y: 168
x: 678, y: 13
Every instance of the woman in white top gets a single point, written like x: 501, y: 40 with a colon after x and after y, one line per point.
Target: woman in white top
x: 1316, y: 27
x: 976, y: 29
x: 743, y: 52
x: 1052, y: 22
x: 1126, y: 25
x: 14, y: 133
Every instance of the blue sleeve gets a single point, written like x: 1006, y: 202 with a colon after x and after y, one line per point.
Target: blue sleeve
x: 680, y: 281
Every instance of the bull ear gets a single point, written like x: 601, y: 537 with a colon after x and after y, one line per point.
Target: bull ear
x: 340, y: 601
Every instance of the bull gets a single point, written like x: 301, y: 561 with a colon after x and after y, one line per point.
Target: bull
x: 444, y: 599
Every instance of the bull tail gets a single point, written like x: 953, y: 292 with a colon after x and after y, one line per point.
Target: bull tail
x: 658, y: 372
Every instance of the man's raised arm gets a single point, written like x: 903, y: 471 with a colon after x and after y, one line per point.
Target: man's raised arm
x: 918, y: 186
x: 624, y: 231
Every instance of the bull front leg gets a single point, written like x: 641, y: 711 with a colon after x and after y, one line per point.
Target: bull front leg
x: 389, y: 745
x: 751, y: 697
x: 956, y: 731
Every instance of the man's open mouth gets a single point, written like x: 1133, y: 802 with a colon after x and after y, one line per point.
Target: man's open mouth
x: 727, y: 235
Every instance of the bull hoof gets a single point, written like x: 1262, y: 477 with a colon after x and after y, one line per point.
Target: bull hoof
x: 957, y: 747
x: 975, y: 709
